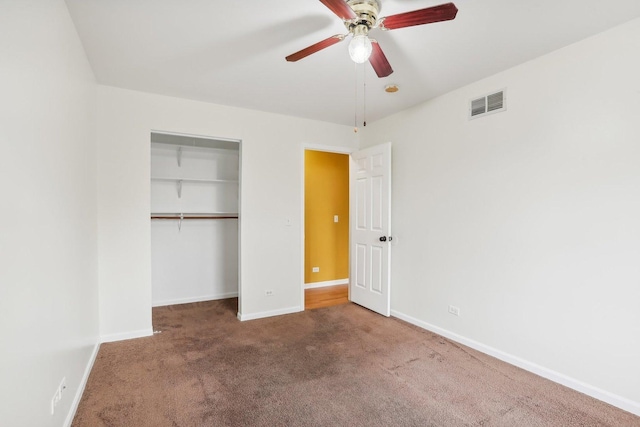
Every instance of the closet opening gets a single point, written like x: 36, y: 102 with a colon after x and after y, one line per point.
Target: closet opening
x: 195, y: 185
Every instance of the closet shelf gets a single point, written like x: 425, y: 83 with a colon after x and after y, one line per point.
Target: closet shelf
x: 218, y: 181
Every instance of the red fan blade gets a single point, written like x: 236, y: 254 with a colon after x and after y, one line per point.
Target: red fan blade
x: 378, y: 61
x: 444, y: 12
x: 315, y: 47
x: 340, y: 8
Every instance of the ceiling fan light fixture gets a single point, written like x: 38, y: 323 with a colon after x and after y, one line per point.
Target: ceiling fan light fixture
x: 360, y: 45
x: 360, y: 49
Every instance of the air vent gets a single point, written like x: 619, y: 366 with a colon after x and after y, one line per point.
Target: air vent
x: 488, y: 104
x: 478, y: 106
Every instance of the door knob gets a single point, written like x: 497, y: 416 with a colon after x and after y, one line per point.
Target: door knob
x: 384, y: 238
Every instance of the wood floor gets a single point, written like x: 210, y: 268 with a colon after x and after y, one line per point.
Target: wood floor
x: 326, y: 297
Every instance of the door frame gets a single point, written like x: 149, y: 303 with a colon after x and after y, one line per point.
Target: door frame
x: 326, y: 149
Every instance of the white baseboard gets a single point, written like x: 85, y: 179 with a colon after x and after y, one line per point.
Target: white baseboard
x: 195, y: 299
x: 260, y: 315
x: 326, y: 283
x: 126, y: 335
x: 81, y: 386
x: 595, y: 392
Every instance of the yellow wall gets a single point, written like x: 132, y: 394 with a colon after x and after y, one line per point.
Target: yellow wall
x: 326, y: 189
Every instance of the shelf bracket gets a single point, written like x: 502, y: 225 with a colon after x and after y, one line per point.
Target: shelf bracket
x: 179, y: 185
x: 180, y: 222
x: 179, y: 156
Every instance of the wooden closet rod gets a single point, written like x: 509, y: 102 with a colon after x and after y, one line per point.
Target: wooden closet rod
x: 195, y: 217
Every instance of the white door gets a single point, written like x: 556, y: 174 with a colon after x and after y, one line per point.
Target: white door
x: 370, y: 253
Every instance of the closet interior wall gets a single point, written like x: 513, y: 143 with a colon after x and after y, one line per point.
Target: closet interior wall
x: 194, y: 219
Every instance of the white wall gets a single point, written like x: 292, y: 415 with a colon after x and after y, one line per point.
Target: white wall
x: 528, y: 220
x: 271, y: 172
x: 48, y: 228
x: 196, y: 262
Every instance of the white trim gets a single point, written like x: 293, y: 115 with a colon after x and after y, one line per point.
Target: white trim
x: 83, y: 383
x: 557, y: 377
x: 195, y: 299
x: 327, y: 148
x: 271, y: 313
x: 326, y: 283
x: 195, y: 135
x: 121, y: 336
x: 240, y: 154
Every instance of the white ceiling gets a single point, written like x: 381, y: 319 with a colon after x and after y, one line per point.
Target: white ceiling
x: 232, y: 52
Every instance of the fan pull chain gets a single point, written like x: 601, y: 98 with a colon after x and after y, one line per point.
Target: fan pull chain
x: 364, y: 96
x: 355, y: 109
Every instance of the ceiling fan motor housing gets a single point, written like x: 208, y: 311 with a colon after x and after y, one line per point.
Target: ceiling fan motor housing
x: 367, y: 15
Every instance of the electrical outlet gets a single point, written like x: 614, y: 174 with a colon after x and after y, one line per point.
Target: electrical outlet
x: 57, y: 396
x: 268, y: 293
x: 454, y: 310
x: 315, y: 269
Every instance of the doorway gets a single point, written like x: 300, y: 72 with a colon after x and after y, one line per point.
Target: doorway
x: 369, y: 224
x: 326, y: 227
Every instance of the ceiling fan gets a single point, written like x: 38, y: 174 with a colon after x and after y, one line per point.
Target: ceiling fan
x: 360, y: 17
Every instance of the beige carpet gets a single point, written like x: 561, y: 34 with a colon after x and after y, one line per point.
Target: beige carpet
x: 336, y: 366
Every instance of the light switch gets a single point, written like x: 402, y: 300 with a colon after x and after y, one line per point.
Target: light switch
x: 335, y: 218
